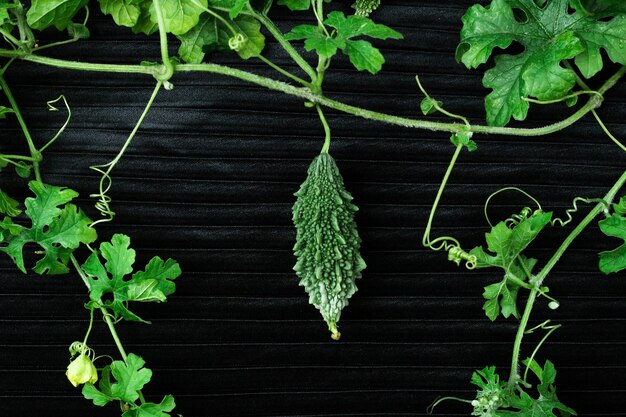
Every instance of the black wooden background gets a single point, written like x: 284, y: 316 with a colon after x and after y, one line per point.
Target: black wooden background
x: 209, y: 181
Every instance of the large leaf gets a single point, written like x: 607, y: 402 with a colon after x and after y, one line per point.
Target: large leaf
x: 57, y: 227
x: 58, y: 13
x: 152, y: 285
x: 549, y: 34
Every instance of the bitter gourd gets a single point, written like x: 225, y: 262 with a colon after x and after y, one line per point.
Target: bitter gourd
x: 327, y: 241
x: 365, y: 7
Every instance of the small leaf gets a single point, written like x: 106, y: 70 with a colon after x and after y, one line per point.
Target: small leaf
x: 152, y: 409
x: 464, y: 139
x: 78, y: 31
x: 428, y: 106
x: 364, y: 56
x: 614, y: 260
x: 130, y: 376
x: 8, y: 206
x: 23, y: 169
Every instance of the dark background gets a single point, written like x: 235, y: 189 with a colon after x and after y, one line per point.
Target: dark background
x: 209, y: 180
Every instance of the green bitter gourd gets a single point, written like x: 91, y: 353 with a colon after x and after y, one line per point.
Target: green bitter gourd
x: 365, y: 7
x: 327, y: 241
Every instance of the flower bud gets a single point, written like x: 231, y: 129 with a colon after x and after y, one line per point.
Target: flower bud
x: 81, y: 370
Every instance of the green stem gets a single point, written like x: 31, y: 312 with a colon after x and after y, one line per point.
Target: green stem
x: 284, y: 72
x: 18, y: 157
x: 607, y: 131
x: 426, y: 237
x: 90, y: 326
x: 326, y: 146
x: 36, y: 156
x: 10, y: 37
x: 165, y: 57
x: 538, y: 279
x: 277, y: 34
x: 593, y: 103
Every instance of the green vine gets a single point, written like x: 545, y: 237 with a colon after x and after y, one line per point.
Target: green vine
x: 561, y: 42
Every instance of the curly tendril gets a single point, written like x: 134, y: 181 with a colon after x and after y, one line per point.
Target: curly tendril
x: 525, y: 213
x: 543, y: 326
x: 574, y: 209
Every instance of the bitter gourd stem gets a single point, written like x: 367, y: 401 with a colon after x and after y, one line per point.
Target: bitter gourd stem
x: 538, y: 279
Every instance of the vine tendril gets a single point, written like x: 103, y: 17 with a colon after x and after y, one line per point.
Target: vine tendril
x: 516, y: 218
x: 103, y: 199
x: 574, y: 209
x: 543, y: 326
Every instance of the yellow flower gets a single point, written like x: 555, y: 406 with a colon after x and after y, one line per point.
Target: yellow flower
x: 81, y: 370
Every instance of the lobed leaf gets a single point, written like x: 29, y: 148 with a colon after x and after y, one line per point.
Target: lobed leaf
x: 549, y: 34
x: 153, y: 284
x: 57, y: 227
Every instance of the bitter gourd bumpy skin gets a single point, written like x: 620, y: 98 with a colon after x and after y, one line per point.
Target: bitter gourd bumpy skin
x: 327, y: 241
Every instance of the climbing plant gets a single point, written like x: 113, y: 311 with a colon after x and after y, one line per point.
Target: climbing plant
x: 538, y: 52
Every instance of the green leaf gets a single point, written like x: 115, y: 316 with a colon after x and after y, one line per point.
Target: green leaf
x: 58, y: 13
x: 100, y: 396
x: 549, y: 35
x: 212, y: 35
x: 364, y: 56
x: 428, y: 106
x: 315, y: 40
x: 620, y: 207
x: 23, y: 169
x: 464, y: 139
x: 8, y: 230
x: 152, y: 285
x: 501, y: 298
x: 353, y: 26
x: 179, y: 15
x: 78, y: 31
x: 614, y: 260
x: 296, y: 4
x: 58, y: 230
x: 123, y: 12
x: 507, y: 243
x: 600, y: 8
x: 8, y: 206
x: 152, y: 409
x: 145, y: 24
x: 131, y: 377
